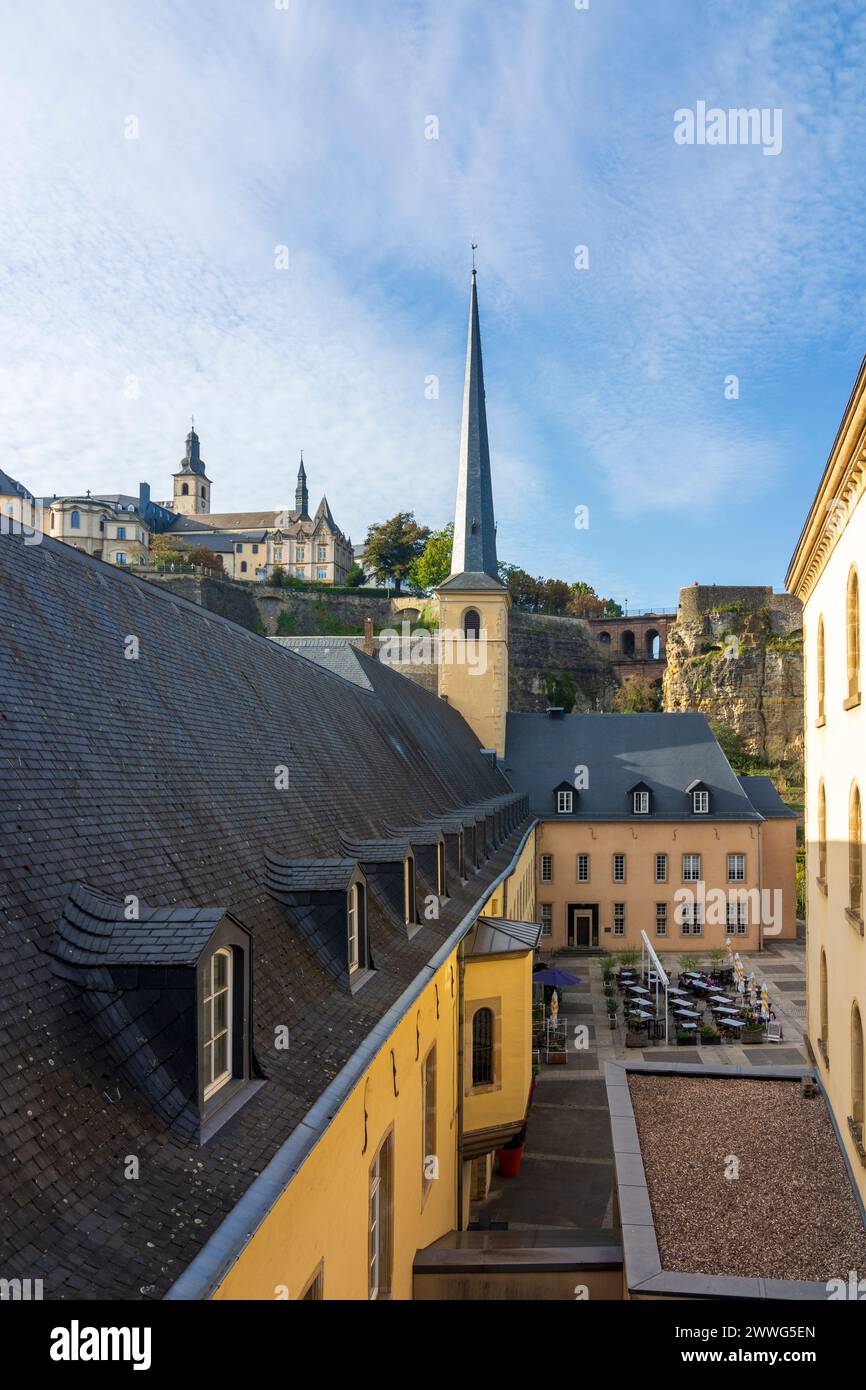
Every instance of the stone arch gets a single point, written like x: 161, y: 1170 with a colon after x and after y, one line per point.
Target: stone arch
x: 627, y: 642
x: 471, y: 623
x: 605, y: 639
x: 652, y: 643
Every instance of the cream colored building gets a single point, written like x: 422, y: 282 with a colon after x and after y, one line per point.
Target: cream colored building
x: 108, y: 528
x: 18, y: 507
x: 825, y: 573
x: 254, y: 544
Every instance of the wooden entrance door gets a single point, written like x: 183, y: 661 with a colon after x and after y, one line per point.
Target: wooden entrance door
x: 580, y: 927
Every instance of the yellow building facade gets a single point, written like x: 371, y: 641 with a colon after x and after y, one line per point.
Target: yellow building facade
x: 392, y: 1159
x: 826, y: 573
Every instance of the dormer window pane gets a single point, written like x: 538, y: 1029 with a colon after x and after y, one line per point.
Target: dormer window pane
x: 353, y: 928
x: 641, y: 803
x: 701, y: 803
x: 217, y: 1022
x: 409, y: 886
x: 563, y: 803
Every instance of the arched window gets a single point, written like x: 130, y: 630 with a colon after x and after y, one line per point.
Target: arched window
x: 471, y: 624
x: 53, y: 523
x: 855, y: 852
x: 825, y: 1018
x: 75, y: 521
x: 627, y: 646
x: 821, y: 671
x: 853, y: 630
x: 202, y: 491
x: 482, y: 1048
x: 822, y: 832
x: 856, y: 1067
x: 605, y: 638
x: 184, y: 490
x: 217, y: 1023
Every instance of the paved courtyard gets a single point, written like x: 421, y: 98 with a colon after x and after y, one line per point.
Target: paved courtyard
x: 566, y: 1177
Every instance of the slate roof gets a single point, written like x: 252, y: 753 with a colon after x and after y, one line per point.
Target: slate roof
x: 156, y: 777
x: 765, y: 798
x: 493, y: 936
x: 666, y: 751
x: 9, y: 485
x: 340, y: 656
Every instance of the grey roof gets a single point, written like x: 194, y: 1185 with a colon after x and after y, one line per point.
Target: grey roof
x: 160, y: 783
x: 94, y: 930
x: 474, y: 523
x: 473, y: 580
x: 666, y: 751
x: 494, y: 936
x: 766, y: 799
x: 9, y: 485
x: 338, y: 655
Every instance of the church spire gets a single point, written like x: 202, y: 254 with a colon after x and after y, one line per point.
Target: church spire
x: 474, y: 525
x: 302, y: 497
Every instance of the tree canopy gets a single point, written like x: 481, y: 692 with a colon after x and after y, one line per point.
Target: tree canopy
x: 433, y: 565
x: 393, y: 545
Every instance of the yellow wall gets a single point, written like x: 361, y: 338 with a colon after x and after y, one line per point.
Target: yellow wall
x: 323, y: 1214
x: 503, y: 984
x: 640, y: 892
x: 481, y: 696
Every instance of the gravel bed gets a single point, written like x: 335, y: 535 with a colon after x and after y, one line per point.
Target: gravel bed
x: 790, y: 1214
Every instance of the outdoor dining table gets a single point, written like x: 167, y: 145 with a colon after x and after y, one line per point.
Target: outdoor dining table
x: 731, y: 1022
x: 687, y: 1013
x: 636, y: 989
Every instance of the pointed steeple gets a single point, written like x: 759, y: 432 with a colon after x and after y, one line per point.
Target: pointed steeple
x: 302, y: 498
x: 474, y: 524
x: 192, y: 460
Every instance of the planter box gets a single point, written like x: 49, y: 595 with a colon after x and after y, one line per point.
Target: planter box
x: 690, y: 1041
x: 710, y: 1042
x: 556, y: 1059
x: 635, y: 1040
x: 748, y: 1038
x: 611, y: 1018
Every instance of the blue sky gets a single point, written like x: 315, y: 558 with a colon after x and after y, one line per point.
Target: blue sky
x: 138, y: 281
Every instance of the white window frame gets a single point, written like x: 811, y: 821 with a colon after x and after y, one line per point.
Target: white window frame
x: 661, y: 860
x: 583, y: 863
x: 546, y: 910
x: 689, y: 863
x: 619, y: 919
x: 410, y: 891
x: 212, y: 1083
x: 353, y: 927
x: 564, y: 803
x: 617, y: 869
x: 701, y: 803
x: 661, y: 919
x: 378, y: 1235
x: 547, y: 868
x: 640, y: 802
x: 740, y: 863
x: 429, y: 1116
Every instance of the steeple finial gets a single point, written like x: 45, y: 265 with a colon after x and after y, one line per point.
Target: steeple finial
x: 474, y: 549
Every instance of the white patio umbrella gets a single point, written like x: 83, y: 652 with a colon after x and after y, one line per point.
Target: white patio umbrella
x: 740, y: 973
x: 765, y: 1002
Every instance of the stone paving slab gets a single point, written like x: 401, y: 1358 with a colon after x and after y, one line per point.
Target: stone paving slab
x: 771, y: 1054
x: 583, y: 1091
x: 551, y: 1193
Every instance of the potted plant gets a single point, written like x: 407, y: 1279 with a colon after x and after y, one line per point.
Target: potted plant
x: 710, y: 1036
x: 687, y: 963
x: 510, y: 1154
x: 612, y: 1007
x: 687, y: 1039
x: 608, y: 966
x: 629, y: 957
x: 634, y: 1036
x: 752, y: 1033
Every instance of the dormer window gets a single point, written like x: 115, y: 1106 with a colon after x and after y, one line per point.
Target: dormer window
x: 564, y: 802
x: 441, y: 878
x: 700, y: 798
x: 357, y: 911
x: 409, y: 891
x: 216, y: 1027
x: 640, y: 803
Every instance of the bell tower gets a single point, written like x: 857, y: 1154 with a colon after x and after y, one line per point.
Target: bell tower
x: 191, y: 483
x: 473, y: 602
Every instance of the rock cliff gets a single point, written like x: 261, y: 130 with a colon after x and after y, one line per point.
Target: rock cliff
x: 736, y: 655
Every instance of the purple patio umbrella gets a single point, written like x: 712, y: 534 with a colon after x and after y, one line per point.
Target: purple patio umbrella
x: 554, y: 978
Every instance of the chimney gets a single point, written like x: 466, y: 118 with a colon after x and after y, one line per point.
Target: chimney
x: 368, y: 636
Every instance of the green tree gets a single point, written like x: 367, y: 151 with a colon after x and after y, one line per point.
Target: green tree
x: 354, y: 576
x: 433, y: 566
x: 392, y: 546
x: 524, y: 590
x: 637, y: 695
x: 561, y: 689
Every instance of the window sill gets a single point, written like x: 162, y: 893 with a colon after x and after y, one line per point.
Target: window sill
x: 852, y: 701
x: 856, y: 1131
x: 820, y: 721
x: 821, y: 885
x: 855, y: 919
